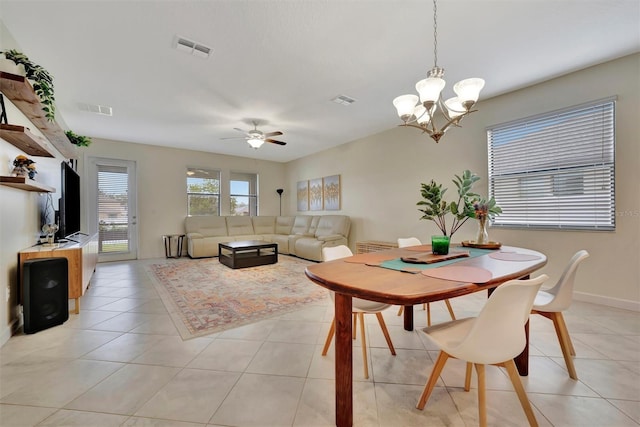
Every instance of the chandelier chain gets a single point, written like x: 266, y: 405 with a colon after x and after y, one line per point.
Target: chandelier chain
x: 435, y: 33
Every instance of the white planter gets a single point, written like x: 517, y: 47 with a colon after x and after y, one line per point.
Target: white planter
x: 8, y: 66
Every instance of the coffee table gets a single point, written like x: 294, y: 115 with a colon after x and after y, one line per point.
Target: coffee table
x: 247, y: 253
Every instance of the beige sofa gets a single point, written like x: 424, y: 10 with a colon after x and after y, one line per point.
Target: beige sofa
x: 303, y: 236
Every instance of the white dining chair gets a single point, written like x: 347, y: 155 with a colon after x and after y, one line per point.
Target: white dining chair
x: 404, y: 242
x: 495, y: 337
x: 360, y: 307
x: 551, y: 302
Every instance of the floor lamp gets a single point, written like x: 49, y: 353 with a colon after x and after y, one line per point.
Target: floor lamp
x: 280, y: 191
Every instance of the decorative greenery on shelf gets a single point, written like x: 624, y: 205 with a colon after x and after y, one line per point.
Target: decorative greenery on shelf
x: 79, y: 140
x: 43, y: 81
x: 435, y: 208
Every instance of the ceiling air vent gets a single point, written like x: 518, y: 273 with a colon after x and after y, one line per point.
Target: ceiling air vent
x: 189, y: 46
x: 97, y: 109
x: 343, y: 100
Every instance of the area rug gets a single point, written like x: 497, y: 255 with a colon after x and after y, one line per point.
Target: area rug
x: 204, y: 296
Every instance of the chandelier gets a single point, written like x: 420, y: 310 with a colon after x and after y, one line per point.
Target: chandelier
x: 423, y: 115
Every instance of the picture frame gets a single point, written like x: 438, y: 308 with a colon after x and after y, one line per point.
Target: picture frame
x: 303, y: 195
x: 315, y: 194
x: 331, y: 192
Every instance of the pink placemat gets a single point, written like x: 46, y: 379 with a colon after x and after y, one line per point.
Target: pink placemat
x: 460, y: 273
x: 513, y: 256
x: 370, y: 258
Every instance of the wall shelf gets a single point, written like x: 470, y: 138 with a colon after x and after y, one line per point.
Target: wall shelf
x: 22, y: 138
x: 19, y: 91
x: 26, y: 184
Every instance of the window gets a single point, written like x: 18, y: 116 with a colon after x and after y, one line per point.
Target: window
x: 113, y: 208
x: 203, y: 192
x: 244, y: 194
x: 555, y: 170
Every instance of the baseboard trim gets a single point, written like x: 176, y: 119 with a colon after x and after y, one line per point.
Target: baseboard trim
x: 8, y: 332
x: 608, y: 301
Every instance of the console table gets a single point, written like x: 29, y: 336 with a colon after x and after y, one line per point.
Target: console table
x: 82, y: 254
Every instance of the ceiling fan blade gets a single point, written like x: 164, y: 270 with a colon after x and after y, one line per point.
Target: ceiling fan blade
x: 276, y: 133
x: 234, y: 137
x: 273, y: 141
x: 240, y: 130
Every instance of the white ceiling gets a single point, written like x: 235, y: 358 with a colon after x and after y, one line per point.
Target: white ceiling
x: 283, y: 61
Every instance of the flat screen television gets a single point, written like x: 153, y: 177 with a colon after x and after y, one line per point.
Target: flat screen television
x: 69, y: 205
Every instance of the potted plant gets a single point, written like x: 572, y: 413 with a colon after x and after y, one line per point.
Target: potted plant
x: 435, y: 208
x: 42, y: 81
x: 79, y: 140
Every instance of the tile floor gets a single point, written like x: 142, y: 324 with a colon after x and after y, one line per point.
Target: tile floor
x: 120, y: 362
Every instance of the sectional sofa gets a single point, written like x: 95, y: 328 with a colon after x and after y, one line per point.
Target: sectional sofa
x: 303, y: 236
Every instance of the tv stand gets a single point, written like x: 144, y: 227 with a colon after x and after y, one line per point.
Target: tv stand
x: 82, y: 254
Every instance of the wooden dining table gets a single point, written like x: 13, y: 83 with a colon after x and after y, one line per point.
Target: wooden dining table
x: 383, y: 277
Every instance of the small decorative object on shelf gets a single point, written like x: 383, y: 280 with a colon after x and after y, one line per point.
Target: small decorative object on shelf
x: 50, y: 230
x: 23, y: 166
x: 79, y: 140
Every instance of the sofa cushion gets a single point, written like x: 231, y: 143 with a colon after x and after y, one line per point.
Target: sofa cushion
x: 333, y: 224
x: 301, y: 225
x: 264, y: 224
x: 314, y: 225
x: 284, y: 224
x: 240, y: 226
x: 207, y: 226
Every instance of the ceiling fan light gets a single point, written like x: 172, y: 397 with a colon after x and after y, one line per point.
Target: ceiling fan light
x: 468, y: 90
x: 429, y: 89
x: 405, y: 105
x: 255, y: 142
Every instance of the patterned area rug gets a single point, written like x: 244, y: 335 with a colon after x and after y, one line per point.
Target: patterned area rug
x: 204, y: 296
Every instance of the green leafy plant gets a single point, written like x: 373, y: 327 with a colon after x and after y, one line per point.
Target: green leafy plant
x: 435, y: 208
x: 79, y: 140
x: 43, y: 81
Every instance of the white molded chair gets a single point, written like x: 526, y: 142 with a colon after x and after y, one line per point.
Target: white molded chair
x: 495, y: 337
x: 360, y: 307
x: 414, y: 241
x: 550, y: 303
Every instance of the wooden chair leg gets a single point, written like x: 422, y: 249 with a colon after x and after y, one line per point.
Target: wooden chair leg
x: 453, y: 316
x: 563, y: 338
x: 428, y: 314
x: 327, y: 343
x: 400, y: 310
x: 482, y: 396
x: 431, y: 382
x: 561, y: 321
x: 364, y: 346
x: 385, y: 331
x: 522, y: 395
x: 467, y: 377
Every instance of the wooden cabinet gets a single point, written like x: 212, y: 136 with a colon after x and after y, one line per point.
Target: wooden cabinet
x: 82, y: 256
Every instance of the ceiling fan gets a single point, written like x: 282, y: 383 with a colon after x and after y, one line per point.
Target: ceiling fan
x: 256, y: 138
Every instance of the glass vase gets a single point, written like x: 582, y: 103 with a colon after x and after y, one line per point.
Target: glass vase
x: 483, y: 236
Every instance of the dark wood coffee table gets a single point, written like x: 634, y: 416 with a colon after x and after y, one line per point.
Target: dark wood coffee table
x: 247, y: 253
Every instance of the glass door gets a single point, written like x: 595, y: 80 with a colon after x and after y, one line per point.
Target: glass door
x: 113, y: 210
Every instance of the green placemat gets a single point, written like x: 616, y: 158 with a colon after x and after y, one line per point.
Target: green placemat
x: 398, y: 264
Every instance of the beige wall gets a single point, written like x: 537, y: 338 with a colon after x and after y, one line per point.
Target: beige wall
x: 161, y: 175
x: 381, y: 177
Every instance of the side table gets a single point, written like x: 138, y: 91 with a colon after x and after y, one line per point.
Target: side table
x: 167, y: 239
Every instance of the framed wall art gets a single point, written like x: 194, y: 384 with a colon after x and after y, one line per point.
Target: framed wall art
x: 331, y: 192
x: 303, y: 195
x: 315, y: 194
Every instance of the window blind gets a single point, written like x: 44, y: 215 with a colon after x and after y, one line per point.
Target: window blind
x: 113, y: 208
x: 556, y: 170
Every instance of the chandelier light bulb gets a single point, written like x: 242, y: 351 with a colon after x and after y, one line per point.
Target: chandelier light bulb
x: 468, y: 90
x: 429, y: 89
x: 454, y: 107
x: 421, y: 114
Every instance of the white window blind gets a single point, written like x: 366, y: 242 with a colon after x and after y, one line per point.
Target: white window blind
x: 556, y: 170
x: 113, y: 209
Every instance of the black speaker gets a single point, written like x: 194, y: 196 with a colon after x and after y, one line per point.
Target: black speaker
x: 46, y: 293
